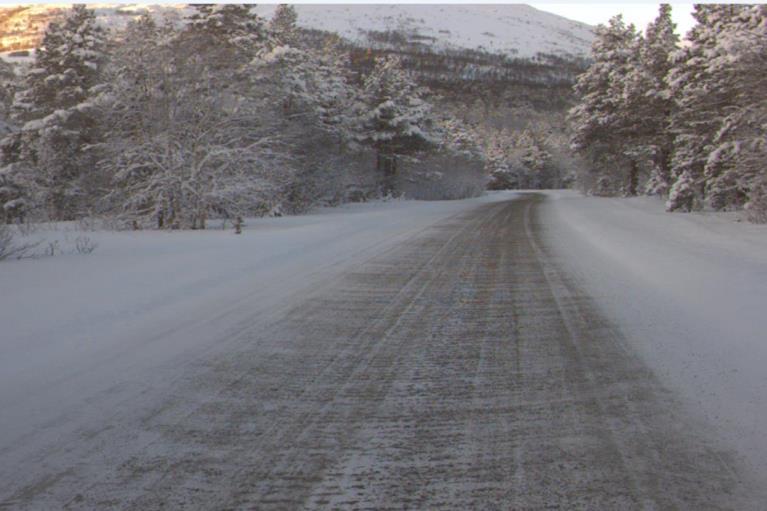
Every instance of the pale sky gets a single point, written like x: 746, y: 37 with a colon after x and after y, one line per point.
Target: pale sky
x: 640, y: 14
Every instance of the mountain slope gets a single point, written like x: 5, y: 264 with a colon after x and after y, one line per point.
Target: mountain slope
x: 515, y: 30
x: 518, y: 30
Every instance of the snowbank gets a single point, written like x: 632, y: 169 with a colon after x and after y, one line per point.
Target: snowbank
x: 690, y: 293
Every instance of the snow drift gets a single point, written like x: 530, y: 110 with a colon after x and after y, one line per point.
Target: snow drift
x: 689, y: 292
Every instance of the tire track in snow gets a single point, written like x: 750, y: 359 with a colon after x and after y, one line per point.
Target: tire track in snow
x: 460, y: 370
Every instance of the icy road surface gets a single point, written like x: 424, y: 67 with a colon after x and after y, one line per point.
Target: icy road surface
x: 444, y: 359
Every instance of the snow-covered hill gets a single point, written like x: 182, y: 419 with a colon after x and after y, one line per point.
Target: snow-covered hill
x: 515, y: 29
x: 518, y: 30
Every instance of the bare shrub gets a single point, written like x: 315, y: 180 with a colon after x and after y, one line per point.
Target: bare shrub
x: 9, y: 248
x: 27, y: 228
x: 6, y: 241
x: 52, y: 248
x: 84, y: 245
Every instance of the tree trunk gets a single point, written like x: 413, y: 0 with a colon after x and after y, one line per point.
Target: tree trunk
x: 385, y: 169
x: 633, y: 178
x: 388, y: 169
x: 203, y: 219
x: 663, y: 164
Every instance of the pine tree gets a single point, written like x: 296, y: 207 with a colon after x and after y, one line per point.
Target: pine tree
x: 283, y: 24
x: 12, y: 189
x: 308, y: 84
x: 7, y: 87
x: 396, y: 118
x: 648, y: 103
x: 700, y: 102
x: 67, y: 66
x: 309, y: 93
x: 17, y: 185
x: 228, y: 35
x: 734, y: 171
x: 682, y: 194
x: 600, y: 120
x: 57, y: 109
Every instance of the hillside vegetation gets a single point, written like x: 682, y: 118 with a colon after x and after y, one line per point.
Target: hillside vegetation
x: 172, y: 120
x: 686, y: 123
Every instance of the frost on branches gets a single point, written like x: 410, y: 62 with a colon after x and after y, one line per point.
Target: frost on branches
x: 685, y: 121
x: 682, y: 194
x: 7, y: 86
x: 720, y: 117
x: 600, y: 121
x: 396, y: 120
x: 54, y: 149
x: 165, y: 125
x: 186, y: 138
x: 520, y: 160
x: 242, y: 125
x: 312, y: 98
x: 648, y: 105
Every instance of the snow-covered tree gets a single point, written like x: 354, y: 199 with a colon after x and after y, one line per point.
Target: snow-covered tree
x: 756, y: 207
x: 306, y: 84
x: 648, y: 104
x: 520, y: 159
x: 12, y: 180
x: 694, y: 116
x: 701, y: 99
x: 182, y: 146
x: 67, y: 66
x: 600, y: 121
x: 396, y: 119
x: 311, y: 100
x: 459, y: 136
x: 682, y: 194
x: 213, y: 166
x: 734, y: 171
x: 7, y: 89
x: 225, y: 36
x: 56, y: 108
x: 283, y: 24
x: 17, y: 185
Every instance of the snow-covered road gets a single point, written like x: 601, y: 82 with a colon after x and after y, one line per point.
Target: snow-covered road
x: 485, y: 353
x: 689, y: 292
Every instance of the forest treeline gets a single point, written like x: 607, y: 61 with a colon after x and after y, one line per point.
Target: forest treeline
x: 165, y: 125
x: 226, y: 115
x: 687, y: 122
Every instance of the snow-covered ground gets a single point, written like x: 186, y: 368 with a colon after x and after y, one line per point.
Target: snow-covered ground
x: 690, y: 293
x: 687, y: 290
x: 73, y: 325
